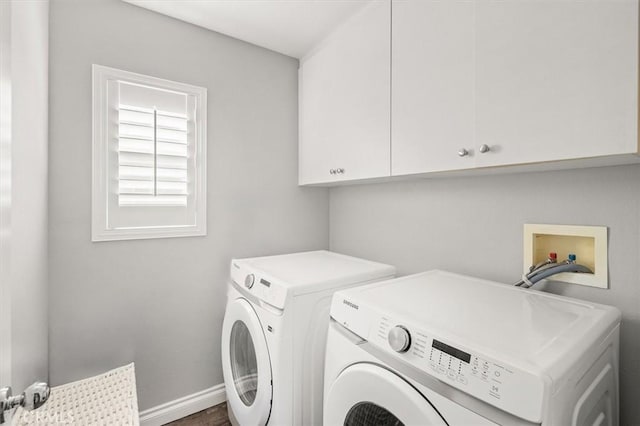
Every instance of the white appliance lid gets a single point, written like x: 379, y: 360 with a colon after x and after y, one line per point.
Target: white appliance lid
x: 520, y: 326
x: 316, y: 270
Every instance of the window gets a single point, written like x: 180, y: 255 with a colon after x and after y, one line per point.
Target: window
x: 149, y: 157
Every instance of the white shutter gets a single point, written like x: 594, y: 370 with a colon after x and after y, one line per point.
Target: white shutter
x: 152, y: 147
x: 149, y: 157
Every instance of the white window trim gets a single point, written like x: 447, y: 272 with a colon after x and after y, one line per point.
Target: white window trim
x: 99, y: 230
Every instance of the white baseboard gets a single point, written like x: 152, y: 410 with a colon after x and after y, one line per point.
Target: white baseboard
x: 182, y: 407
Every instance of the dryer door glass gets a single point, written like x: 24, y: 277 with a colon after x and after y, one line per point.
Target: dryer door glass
x: 368, y: 413
x: 244, y: 366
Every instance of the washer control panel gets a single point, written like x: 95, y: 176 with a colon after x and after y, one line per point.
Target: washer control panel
x: 492, y: 381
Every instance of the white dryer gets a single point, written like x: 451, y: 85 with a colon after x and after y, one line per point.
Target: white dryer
x: 438, y: 348
x: 275, y: 329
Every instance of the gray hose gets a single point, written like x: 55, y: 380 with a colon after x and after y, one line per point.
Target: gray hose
x: 538, y: 269
x: 553, y: 270
x: 540, y: 265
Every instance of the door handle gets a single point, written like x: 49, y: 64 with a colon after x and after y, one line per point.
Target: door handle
x: 33, y: 397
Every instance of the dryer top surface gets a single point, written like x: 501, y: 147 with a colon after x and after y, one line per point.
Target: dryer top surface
x: 312, y: 271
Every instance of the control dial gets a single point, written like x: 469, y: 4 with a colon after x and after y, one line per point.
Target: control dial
x: 249, y: 280
x: 399, y: 339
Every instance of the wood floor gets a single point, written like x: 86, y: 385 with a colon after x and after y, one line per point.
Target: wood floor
x: 213, y: 416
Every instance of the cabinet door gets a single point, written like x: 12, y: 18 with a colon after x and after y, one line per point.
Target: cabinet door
x: 556, y: 79
x: 432, y: 85
x: 345, y: 101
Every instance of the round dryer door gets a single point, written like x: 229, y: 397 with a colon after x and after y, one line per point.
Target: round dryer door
x: 246, y: 364
x: 367, y: 394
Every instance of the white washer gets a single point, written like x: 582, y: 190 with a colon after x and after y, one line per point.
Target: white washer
x: 440, y: 348
x: 274, y: 333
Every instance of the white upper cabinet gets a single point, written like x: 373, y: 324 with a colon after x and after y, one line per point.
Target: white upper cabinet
x: 344, y: 95
x: 474, y: 84
x: 432, y: 94
x: 556, y: 80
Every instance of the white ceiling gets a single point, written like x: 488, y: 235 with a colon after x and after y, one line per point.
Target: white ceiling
x: 291, y: 27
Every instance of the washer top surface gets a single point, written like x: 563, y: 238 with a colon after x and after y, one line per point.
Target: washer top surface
x: 521, y: 326
x: 306, y: 272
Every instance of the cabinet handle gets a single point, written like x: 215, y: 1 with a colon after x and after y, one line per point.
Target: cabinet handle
x: 484, y: 148
x: 462, y: 152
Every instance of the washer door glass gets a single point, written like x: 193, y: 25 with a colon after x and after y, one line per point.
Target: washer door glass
x: 368, y: 413
x: 367, y: 394
x: 244, y: 366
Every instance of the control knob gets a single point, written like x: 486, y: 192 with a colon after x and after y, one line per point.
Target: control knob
x: 249, y: 280
x: 399, y: 339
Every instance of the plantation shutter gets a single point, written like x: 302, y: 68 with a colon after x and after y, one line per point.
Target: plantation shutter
x: 154, y: 133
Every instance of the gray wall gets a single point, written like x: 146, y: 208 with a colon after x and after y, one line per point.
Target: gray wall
x: 474, y: 226
x: 160, y: 302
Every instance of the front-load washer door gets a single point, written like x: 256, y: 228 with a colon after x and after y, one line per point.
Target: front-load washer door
x: 246, y: 364
x: 367, y: 394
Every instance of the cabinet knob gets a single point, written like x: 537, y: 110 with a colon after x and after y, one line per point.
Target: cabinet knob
x: 484, y: 148
x: 332, y: 171
x: 462, y: 152
x: 340, y: 171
